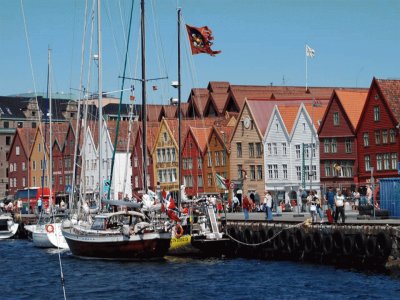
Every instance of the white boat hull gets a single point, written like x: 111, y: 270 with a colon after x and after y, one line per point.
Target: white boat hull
x: 6, y: 234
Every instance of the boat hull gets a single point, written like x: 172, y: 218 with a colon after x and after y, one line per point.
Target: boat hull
x: 182, y: 246
x: 212, y: 247
x: 56, y: 237
x: 40, y: 238
x: 119, y: 247
x: 6, y: 234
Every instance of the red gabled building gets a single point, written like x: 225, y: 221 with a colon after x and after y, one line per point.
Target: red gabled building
x: 137, y: 157
x: 193, y: 148
x: 18, y: 159
x: 378, y: 132
x: 337, y: 137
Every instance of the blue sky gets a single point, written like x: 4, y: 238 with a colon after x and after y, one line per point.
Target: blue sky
x: 262, y: 42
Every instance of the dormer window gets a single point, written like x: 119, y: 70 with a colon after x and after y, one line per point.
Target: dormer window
x: 336, y: 118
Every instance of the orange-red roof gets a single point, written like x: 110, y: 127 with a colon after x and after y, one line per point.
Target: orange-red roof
x: 201, y: 136
x: 289, y: 114
x: 391, y: 91
x: 316, y: 112
x: 353, y: 103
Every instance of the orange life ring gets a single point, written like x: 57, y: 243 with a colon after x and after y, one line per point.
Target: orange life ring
x: 50, y: 228
x: 178, y: 231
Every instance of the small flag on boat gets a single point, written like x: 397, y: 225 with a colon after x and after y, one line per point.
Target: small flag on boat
x: 310, y: 52
x: 200, y: 40
x: 155, y: 88
x: 222, y: 182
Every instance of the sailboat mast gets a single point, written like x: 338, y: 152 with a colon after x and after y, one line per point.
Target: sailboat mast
x: 100, y: 85
x: 179, y: 111
x: 51, y: 134
x: 144, y: 105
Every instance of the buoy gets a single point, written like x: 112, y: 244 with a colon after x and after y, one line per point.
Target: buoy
x: 49, y: 228
x: 178, y: 230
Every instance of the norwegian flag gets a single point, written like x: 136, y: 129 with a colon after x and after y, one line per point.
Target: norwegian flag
x: 169, y: 206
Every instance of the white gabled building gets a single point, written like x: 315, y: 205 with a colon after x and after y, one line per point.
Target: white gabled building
x: 305, y: 146
x: 289, y: 141
x: 279, y: 178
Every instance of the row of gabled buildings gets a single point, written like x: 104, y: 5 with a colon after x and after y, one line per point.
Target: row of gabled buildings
x: 275, y: 137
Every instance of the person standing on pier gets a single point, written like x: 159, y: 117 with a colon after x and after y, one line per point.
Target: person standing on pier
x: 339, y: 201
x: 330, y: 198
x: 268, y: 205
x: 39, y: 205
x: 246, y: 207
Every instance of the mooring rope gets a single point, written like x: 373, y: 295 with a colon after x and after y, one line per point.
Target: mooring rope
x: 268, y: 240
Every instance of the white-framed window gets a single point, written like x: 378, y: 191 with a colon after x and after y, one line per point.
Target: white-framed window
x: 298, y: 172
x: 270, y: 172
x: 217, y: 160
x: 259, y: 149
x: 327, y: 169
x: 199, y: 163
x: 333, y: 145
x: 200, y: 180
x: 284, y: 149
x: 17, y: 150
x: 275, y: 148
x: 386, y: 161
x: 348, y: 144
x: 23, y: 166
x: 276, y: 174
x: 336, y: 118
x: 239, y: 149
x: 209, y: 161
x: 394, y: 161
x: 377, y: 113
x: 327, y: 145
x: 23, y: 182
x: 366, y: 139
x: 209, y: 179
x: 285, y: 171
x: 384, y: 136
x: 367, y: 160
x: 392, y: 136
x: 239, y: 171
x: 223, y: 155
x: 298, y: 151
x: 252, y: 172
x: 269, y: 147
x: 379, y: 165
x: 11, y: 168
x: 377, y: 137
x: 251, y: 149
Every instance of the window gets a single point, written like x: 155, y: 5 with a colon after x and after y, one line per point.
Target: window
x: 366, y: 139
x: 34, y: 181
x: 270, y: 174
x: 23, y: 166
x: 239, y: 149
x: 11, y: 168
x: 199, y: 163
x: 377, y: 113
x: 327, y: 169
x: 209, y: 161
x: 136, y: 160
x: 384, y: 136
x: 259, y: 151
x: 386, y: 161
x: 277, y: 127
x: 8, y: 140
x: 285, y: 171
x: 304, y: 126
x: 379, y: 162
x: 223, y: 155
x: 392, y: 137
x: 377, y: 137
x: 394, y: 161
x: 239, y: 172
x: 259, y: 172
x: 333, y: 145
x: 275, y: 148
x: 173, y: 155
x: 298, y: 151
x: 367, y: 160
x: 23, y: 182
x: 252, y: 172
x: 298, y: 172
x: 34, y: 165
x: 269, y: 147
x: 326, y: 145
x: 284, y: 151
x: 15, y: 167
x: 276, y: 174
x: 251, y: 149
x: 200, y: 180
x: 348, y: 146
x: 20, y: 124
x: 165, y: 136
x: 209, y: 179
x: 314, y: 172
x: 6, y: 124
x: 33, y: 124
x: 188, y: 181
x: 336, y: 118
x: 313, y: 149
x: 61, y: 180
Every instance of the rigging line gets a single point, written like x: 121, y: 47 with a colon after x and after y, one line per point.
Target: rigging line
x: 120, y: 102
x: 124, y: 32
x: 77, y: 128
x: 108, y: 14
x: 31, y: 65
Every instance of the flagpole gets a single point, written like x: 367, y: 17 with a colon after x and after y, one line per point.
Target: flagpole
x: 306, y: 66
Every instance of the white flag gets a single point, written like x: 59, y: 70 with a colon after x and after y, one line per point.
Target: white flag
x: 310, y: 52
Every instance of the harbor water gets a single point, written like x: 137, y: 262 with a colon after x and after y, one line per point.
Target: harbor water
x: 32, y: 273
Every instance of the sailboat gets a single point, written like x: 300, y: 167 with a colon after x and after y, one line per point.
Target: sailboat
x: 128, y: 234
x: 47, y: 232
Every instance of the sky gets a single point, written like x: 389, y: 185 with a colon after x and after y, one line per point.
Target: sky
x: 262, y: 43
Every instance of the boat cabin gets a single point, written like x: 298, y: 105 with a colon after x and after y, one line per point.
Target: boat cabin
x: 116, y: 220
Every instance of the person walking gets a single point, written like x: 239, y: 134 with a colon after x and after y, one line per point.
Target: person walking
x: 339, y: 202
x: 236, y: 203
x: 268, y: 205
x: 246, y: 207
x: 369, y: 195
